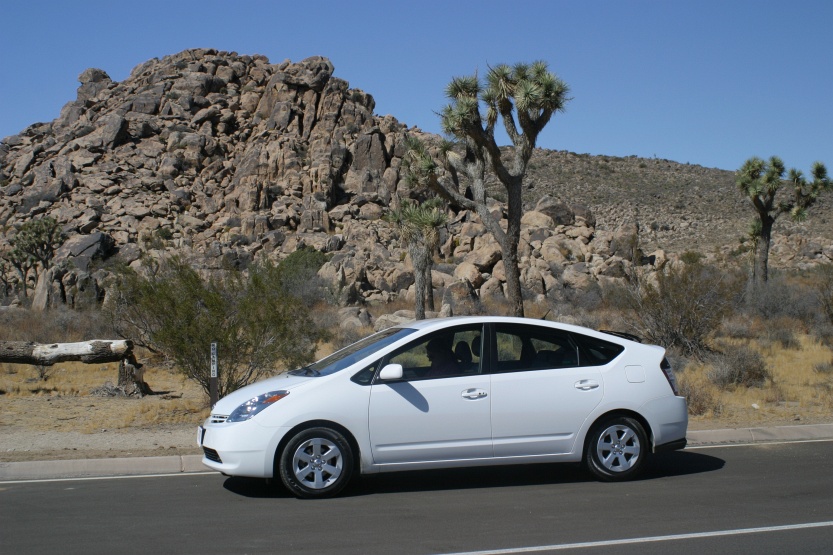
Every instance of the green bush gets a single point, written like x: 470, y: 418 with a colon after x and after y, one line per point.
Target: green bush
x: 680, y: 306
x: 298, y: 274
x: 256, y: 323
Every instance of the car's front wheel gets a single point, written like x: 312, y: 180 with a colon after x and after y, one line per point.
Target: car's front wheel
x: 317, y: 462
x: 616, y: 449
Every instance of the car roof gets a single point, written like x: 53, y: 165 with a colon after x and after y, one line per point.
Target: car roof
x: 439, y: 323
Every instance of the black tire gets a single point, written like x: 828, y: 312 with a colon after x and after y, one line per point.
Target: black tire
x: 616, y: 449
x: 317, y: 462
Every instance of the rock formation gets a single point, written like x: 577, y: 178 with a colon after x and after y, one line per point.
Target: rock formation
x: 224, y: 158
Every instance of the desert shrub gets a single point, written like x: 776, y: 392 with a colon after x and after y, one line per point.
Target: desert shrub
x: 739, y: 326
x: 824, y: 367
x: 678, y: 363
x: 738, y: 366
x: 823, y: 288
x: 680, y: 306
x: 782, y: 297
x: 298, y: 273
x: 252, y: 317
x: 56, y: 325
x: 348, y: 335
x: 692, y: 257
x: 783, y: 336
x: 824, y: 334
x: 699, y: 398
x: 165, y: 233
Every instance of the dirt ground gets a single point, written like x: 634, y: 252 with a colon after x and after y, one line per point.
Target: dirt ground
x: 61, y: 418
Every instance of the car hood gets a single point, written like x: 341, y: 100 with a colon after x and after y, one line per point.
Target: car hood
x: 236, y: 398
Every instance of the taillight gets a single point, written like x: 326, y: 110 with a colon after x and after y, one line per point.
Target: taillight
x: 669, y: 375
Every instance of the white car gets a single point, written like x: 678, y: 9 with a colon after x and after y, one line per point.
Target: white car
x: 465, y: 391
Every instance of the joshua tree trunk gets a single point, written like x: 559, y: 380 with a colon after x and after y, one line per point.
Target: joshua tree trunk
x: 421, y: 258
x: 760, y: 269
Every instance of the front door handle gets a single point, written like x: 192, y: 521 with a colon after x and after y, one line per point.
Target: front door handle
x: 586, y: 385
x: 474, y: 393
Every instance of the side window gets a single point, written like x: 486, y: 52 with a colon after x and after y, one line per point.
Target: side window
x: 451, y: 352
x: 521, y: 348
x: 597, y: 351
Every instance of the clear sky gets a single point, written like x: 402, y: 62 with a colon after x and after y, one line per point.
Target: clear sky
x: 709, y: 82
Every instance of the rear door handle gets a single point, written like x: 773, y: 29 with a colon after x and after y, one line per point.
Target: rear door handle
x: 474, y: 393
x: 586, y: 385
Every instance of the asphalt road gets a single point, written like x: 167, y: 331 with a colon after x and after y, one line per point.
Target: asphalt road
x: 767, y: 498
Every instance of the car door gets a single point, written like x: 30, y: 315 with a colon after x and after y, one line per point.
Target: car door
x: 541, y: 396
x: 433, y: 416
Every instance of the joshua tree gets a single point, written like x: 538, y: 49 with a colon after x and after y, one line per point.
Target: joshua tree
x: 418, y: 226
x: 34, y: 244
x: 39, y: 239
x: 760, y: 182
x: 524, y: 97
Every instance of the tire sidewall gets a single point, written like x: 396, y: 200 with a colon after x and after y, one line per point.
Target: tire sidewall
x: 595, y: 466
x: 287, y: 473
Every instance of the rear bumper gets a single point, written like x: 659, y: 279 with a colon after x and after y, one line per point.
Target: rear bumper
x: 675, y: 445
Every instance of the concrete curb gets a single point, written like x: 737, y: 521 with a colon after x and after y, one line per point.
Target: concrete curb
x: 760, y: 435
x: 89, y: 468
x: 146, y: 466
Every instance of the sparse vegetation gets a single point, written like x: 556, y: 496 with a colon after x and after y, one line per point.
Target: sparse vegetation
x: 254, y: 319
x: 738, y: 366
x: 679, y: 307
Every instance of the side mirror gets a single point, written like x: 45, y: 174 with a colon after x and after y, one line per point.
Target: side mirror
x: 391, y: 372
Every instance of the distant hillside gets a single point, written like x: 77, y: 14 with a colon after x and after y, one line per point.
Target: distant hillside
x: 679, y: 206
x: 224, y: 158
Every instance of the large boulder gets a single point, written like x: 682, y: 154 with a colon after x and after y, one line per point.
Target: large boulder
x: 81, y: 250
x: 560, y: 212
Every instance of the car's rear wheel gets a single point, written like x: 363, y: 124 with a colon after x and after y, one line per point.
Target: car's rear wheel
x: 616, y: 449
x: 317, y: 462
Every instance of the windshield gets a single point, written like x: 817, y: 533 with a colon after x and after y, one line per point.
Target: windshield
x: 351, y: 354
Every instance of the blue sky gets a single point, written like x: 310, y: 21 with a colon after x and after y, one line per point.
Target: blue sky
x: 709, y: 82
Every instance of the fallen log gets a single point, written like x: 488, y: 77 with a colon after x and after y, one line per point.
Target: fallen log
x: 43, y: 354
x: 91, y: 352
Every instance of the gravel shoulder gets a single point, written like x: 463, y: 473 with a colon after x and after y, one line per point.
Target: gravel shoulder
x: 19, y: 443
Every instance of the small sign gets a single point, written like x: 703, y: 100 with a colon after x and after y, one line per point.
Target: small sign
x: 214, y: 360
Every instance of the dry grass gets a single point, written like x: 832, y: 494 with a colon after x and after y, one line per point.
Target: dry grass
x: 797, y: 393
x: 63, y: 401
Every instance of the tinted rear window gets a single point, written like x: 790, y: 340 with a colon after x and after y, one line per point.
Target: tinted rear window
x: 597, y: 351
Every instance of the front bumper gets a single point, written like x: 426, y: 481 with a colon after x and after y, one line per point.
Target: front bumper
x: 240, y: 448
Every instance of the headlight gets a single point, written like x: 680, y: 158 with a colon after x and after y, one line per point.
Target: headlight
x: 255, y: 405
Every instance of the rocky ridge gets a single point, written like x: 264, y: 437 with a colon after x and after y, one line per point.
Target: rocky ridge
x: 224, y: 158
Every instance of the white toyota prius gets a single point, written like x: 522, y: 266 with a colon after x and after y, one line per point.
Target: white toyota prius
x: 464, y: 391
